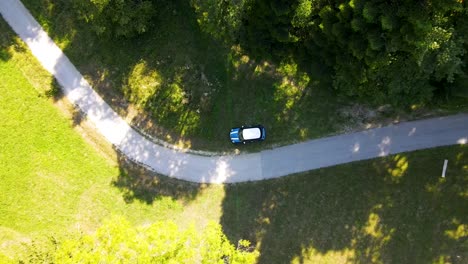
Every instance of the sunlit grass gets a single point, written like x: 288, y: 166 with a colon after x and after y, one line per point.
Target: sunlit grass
x: 310, y: 255
x: 290, y: 89
x: 396, y: 209
x: 460, y: 230
x: 398, y: 169
x: 206, y: 206
x: 186, y: 87
x: 45, y: 167
x: 52, y: 181
x: 142, y: 83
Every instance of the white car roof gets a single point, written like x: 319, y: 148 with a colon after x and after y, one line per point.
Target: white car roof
x: 251, y: 133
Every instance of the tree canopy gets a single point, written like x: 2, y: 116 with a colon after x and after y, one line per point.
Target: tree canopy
x: 117, y: 241
x: 120, y: 18
x: 397, y: 51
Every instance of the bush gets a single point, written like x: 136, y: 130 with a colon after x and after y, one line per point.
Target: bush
x: 117, y: 241
x: 116, y: 18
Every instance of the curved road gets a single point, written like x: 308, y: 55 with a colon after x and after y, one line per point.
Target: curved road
x: 225, y: 169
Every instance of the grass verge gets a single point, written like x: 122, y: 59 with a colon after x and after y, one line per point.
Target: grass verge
x: 395, y: 209
x: 179, y: 85
x: 52, y: 182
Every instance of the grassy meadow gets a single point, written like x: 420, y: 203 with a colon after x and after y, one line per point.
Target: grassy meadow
x: 53, y: 182
x: 57, y: 179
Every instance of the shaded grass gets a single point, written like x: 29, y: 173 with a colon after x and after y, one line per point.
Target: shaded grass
x: 180, y: 85
x: 52, y: 182
x: 396, y: 209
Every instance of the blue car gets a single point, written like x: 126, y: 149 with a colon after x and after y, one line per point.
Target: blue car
x: 246, y: 134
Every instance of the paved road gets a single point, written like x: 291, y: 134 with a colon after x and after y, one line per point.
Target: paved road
x: 236, y: 168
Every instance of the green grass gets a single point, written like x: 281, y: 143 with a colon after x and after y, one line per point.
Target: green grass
x: 52, y: 183
x: 188, y: 88
x: 396, y: 209
x: 178, y: 84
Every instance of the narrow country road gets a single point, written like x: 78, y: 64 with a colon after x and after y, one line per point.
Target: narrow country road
x: 226, y: 169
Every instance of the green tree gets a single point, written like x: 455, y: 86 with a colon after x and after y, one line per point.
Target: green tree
x: 117, y: 241
x: 120, y: 18
x: 386, y: 51
x: 221, y: 18
x: 380, y: 51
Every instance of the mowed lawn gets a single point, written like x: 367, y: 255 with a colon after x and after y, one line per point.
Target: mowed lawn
x: 396, y: 209
x: 52, y: 182
x: 389, y: 210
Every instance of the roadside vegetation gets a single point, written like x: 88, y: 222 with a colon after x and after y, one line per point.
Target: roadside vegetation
x: 59, y: 183
x: 59, y: 180
x: 57, y: 189
x: 396, y: 209
x: 188, y: 71
x: 177, y: 83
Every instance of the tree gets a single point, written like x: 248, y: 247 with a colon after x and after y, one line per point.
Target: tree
x: 381, y: 51
x: 385, y: 51
x: 117, y: 241
x: 221, y: 18
x: 120, y: 18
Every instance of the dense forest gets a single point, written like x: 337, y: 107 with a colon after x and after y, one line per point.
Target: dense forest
x: 389, y: 51
x: 398, y: 51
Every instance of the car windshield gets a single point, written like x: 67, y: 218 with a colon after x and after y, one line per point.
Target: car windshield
x: 251, y: 133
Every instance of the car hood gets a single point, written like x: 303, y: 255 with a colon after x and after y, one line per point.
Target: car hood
x: 235, y: 135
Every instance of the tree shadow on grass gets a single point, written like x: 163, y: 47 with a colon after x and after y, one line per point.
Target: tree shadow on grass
x: 8, y: 41
x: 4, y: 54
x: 174, y: 56
x: 392, y: 210
x: 178, y: 84
x: 139, y: 183
x: 135, y: 182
